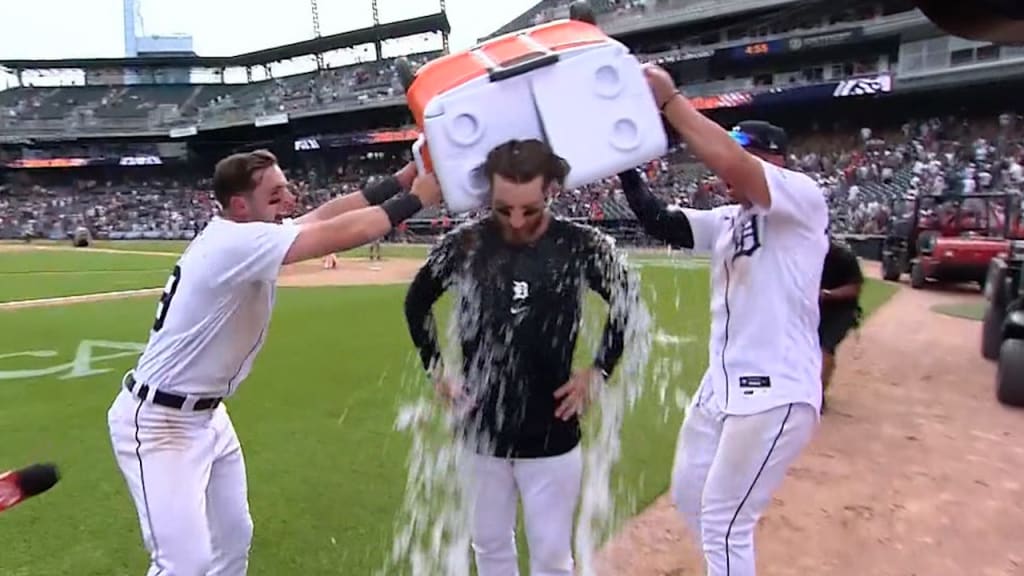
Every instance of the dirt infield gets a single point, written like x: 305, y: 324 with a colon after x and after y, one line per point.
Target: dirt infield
x: 351, y: 272
x: 916, y: 469
x: 16, y: 247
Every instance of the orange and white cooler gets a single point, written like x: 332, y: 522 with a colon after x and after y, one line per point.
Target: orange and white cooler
x: 565, y: 82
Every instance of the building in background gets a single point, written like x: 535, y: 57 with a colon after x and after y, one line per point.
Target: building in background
x: 138, y: 44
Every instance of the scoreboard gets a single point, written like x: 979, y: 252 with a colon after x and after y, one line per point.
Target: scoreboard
x: 757, y: 49
x: 795, y: 44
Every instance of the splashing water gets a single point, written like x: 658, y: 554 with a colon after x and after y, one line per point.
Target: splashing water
x: 432, y: 531
x: 603, y: 427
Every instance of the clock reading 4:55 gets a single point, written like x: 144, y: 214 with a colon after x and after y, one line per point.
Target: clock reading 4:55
x: 758, y: 49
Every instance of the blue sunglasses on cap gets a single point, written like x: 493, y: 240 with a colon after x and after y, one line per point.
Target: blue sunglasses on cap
x: 741, y: 137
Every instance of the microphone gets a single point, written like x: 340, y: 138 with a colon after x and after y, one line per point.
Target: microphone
x: 16, y: 486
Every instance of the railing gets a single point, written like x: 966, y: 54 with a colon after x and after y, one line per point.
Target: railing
x: 677, y: 12
x: 74, y: 124
x: 951, y: 54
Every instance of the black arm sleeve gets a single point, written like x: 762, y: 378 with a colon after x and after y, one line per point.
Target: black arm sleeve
x: 666, y: 225
x: 381, y: 190
x: 427, y: 287
x: 608, y: 275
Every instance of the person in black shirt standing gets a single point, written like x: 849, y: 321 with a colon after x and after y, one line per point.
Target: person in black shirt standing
x: 841, y: 281
x: 520, y: 274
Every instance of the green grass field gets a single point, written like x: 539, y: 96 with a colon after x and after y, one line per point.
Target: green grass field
x: 965, y: 310
x: 50, y: 274
x: 326, y: 467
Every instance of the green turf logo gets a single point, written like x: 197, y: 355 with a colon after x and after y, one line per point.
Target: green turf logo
x: 89, y: 353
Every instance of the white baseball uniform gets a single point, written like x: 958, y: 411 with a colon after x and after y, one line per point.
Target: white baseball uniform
x: 184, y: 465
x: 759, y: 400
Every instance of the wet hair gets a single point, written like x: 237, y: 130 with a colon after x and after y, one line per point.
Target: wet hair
x: 522, y: 161
x: 234, y: 175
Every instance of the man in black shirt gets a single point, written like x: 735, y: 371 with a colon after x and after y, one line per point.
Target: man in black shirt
x: 519, y: 275
x: 841, y: 281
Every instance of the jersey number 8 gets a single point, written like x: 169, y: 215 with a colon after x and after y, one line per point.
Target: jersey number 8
x: 165, y: 299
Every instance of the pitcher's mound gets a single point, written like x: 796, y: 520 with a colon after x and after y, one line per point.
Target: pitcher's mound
x: 351, y: 272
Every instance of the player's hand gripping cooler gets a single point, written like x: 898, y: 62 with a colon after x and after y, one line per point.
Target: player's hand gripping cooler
x: 565, y: 82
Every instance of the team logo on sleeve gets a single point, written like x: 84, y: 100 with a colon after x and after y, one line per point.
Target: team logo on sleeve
x: 746, y: 236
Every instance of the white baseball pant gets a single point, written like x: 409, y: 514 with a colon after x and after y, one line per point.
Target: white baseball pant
x: 725, y: 472
x: 186, y: 474
x: 550, y: 490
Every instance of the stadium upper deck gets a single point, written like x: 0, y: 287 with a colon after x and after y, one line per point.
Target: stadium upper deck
x: 727, y: 53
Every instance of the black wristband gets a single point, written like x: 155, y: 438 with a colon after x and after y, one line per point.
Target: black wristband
x: 670, y: 99
x: 401, y: 208
x: 379, y: 192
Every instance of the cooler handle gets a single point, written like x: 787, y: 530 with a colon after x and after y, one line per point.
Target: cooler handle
x: 498, y: 72
x: 417, y: 154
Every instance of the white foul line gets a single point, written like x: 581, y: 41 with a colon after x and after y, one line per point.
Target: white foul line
x: 77, y: 299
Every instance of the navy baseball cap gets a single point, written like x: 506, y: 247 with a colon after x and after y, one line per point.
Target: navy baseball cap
x: 760, y: 135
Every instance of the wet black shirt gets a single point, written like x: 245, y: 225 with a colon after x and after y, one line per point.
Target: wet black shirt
x: 518, y: 312
x: 841, y: 268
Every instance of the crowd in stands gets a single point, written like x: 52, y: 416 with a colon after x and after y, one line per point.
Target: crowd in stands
x: 187, y: 104
x: 869, y: 179
x: 165, y: 207
x: 106, y: 108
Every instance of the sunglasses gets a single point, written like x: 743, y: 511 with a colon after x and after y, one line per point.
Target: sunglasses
x: 741, y: 137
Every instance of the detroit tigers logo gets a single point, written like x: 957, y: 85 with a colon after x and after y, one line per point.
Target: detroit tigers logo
x: 520, y: 292
x: 746, y: 236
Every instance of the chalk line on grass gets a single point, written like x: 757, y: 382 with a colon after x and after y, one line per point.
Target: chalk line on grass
x: 61, y: 300
x: 663, y: 337
x: 78, y: 272
x: 102, y: 251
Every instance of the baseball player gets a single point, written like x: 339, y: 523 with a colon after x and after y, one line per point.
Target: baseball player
x: 171, y: 434
x: 758, y: 403
x: 375, y: 251
x: 519, y: 276
x: 840, y: 311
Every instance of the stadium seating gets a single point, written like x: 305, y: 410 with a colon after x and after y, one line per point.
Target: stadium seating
x: 862, y: 178
x: 168, y: 105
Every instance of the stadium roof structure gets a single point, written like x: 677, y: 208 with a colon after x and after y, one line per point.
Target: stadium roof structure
x: 423, y: 24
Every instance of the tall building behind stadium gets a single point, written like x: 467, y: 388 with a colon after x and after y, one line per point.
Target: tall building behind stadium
x: 880, y: 103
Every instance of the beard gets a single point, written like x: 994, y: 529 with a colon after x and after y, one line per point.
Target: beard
x: 524, y: 235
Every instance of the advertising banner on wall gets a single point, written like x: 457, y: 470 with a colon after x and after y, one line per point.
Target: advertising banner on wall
x: 876, y: 85
x: 384, y: 136
x: 135, y: 160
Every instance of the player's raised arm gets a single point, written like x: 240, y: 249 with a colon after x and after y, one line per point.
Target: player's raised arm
x: 351, y: 229
x: 680, y: 228
x: 709, y: 142
x: 750, y: 158
x: 373, y: 195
